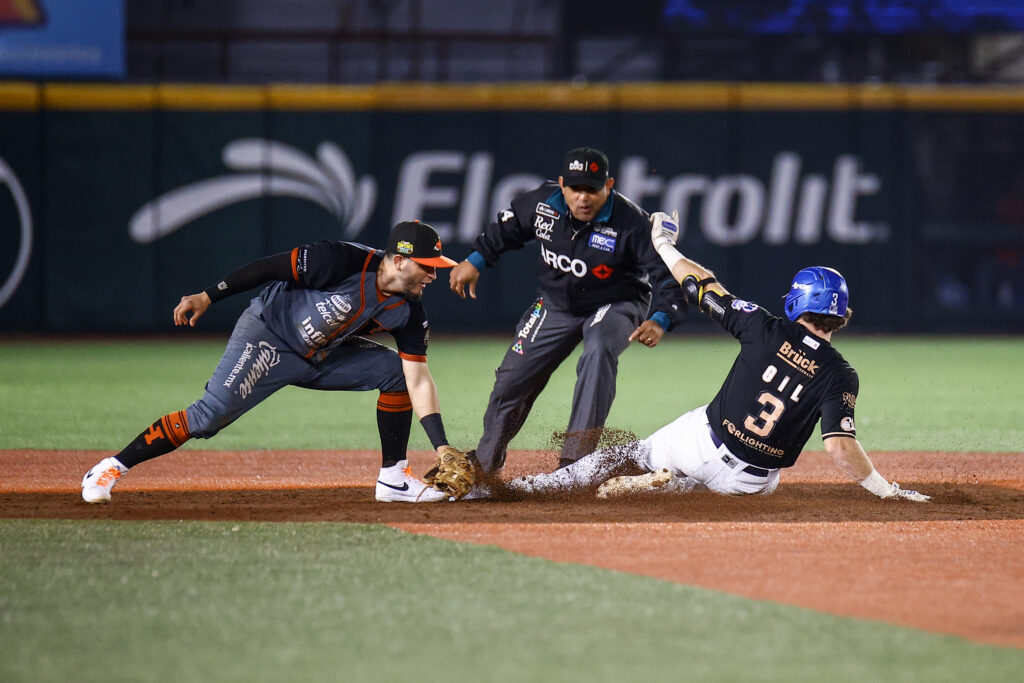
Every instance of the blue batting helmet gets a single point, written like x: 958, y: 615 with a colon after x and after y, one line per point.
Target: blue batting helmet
x: 817, y: 290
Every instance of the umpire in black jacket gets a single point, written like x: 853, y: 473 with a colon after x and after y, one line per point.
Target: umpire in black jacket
x: 597, y: 271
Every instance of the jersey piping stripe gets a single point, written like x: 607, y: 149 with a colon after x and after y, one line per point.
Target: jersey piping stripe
x: 295, y: 263
x: 380, y: 327
x: 176, y: 427
x: 831, y: 434
x: 362, y: 305
x: 410, y: 357
x: 381, y: 297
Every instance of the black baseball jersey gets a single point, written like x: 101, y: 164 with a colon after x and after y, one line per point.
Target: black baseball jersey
x: 333, y: 294
x: 784, y: 380
x: 583, y: 266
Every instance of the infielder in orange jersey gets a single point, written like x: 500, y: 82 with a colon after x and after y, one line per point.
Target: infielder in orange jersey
x: 307, y: 328
x: 786, y: 379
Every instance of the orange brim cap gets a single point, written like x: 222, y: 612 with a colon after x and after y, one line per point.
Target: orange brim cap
x: 436, y: 261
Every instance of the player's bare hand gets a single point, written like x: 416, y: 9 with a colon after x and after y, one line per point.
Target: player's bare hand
x: 194, y: 304
x: 649, y: 333
x: 463, y: 275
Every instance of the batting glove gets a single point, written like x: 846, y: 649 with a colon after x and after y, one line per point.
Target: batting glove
x: 664, y: 229
x: 907, y: 494
x: 882, y: 488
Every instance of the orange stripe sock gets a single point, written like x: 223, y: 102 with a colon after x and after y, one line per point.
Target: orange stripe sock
x: 163, y: 436
x: 394, y: 420
x: 394, y: 401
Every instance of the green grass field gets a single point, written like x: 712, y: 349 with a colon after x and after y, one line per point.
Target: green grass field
x: 916, y: 394
x: 169, y: 601
x: 100, y: 601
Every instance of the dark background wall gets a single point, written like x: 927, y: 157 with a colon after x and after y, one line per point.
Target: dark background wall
x: 879, y: 136
x: 139, y: 194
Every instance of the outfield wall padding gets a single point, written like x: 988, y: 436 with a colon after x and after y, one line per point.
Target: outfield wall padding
x: 137, y: 195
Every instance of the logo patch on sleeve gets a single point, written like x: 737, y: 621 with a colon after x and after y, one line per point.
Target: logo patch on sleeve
x: 846, y: 424
x: 744, y: 306
x: 507, y: 215
x: 545, y: 210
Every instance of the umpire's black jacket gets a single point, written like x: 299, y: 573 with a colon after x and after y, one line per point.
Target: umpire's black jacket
x: 583, y: 266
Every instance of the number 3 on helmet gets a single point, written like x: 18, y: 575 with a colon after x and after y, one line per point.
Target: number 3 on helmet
x: 817, y: 290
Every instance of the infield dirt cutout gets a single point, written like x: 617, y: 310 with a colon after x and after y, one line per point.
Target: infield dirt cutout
x: 955, y: 565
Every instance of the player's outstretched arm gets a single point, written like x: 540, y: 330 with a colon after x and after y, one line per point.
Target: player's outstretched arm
x: 462, y: 276
x: 276, y: 267
x: 850, y: 457
x: 664, y: 234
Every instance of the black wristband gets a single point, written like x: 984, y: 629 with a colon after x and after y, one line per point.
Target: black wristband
x: 218, y: 291
x: 434, y: 428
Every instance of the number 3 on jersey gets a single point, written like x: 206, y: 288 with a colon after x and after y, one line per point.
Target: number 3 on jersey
x: 771, y: 405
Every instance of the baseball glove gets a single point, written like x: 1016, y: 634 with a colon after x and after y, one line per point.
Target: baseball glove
x: 454, y: 473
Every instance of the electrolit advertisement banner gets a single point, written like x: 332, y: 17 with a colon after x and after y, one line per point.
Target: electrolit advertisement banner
x: 921, y: 210
x: 62, y: 38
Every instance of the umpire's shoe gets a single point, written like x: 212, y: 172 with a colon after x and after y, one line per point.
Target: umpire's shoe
x: 397, y: 484
x: 98, y: 481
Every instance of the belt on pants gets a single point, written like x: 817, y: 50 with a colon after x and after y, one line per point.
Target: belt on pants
x: 735, y: 462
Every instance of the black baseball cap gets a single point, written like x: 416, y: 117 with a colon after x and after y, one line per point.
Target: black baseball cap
x: 419, y: 242
x: 585, y: 166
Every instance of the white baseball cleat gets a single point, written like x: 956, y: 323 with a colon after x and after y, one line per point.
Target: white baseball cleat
x: 478, y: 492
x: 397, y: 484
x: 661, y: 481
x: 98, y: 481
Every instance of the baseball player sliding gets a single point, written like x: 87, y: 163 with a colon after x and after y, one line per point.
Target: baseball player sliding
x: 305, y: 329
x: 787, y: 377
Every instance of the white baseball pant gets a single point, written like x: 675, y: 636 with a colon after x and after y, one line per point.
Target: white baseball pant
x: 687, y: 448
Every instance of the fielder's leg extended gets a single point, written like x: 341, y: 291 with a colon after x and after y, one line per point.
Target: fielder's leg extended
x: 255, y: 364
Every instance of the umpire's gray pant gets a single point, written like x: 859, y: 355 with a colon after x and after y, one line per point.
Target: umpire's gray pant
x: 545, y: 336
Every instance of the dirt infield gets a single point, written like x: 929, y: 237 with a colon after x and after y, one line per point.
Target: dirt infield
x: 955, y: 565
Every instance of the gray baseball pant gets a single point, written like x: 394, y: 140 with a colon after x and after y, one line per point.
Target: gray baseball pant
x: 257, y: 362
x: 545, y: 336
